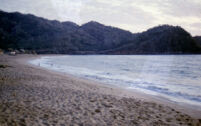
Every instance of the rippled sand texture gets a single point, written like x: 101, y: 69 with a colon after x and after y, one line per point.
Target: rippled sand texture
x: 33, y: 97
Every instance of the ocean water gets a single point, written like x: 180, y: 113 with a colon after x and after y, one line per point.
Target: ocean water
x: 175, y: 77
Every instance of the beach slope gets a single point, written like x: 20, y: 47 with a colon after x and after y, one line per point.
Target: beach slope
x: 33, y: 96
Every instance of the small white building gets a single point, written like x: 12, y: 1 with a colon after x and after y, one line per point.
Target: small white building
x: 1, y: 52
x: 13, y: 53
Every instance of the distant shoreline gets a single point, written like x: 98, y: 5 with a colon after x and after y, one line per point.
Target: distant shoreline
x: 39, y: 35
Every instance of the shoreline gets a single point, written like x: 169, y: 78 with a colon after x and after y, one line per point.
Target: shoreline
x: 190, y: 109
x: 67, y: 99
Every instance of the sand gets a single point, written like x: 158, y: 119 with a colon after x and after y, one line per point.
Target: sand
x: 33, y: 96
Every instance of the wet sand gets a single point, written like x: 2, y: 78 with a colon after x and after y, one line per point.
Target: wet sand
x: 33, y: 96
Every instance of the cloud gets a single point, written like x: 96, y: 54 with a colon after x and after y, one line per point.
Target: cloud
x: 52, y: 9
x: 133, y: 15
x: 119, y: 14
x: 183, y: 8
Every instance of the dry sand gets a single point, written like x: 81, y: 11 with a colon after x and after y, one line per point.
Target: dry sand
x: 34, y: 96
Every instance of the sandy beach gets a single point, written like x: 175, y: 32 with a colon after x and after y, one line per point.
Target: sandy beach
x: 33, y: 96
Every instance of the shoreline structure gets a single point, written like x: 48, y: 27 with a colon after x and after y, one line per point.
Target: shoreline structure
x: 32, y: 95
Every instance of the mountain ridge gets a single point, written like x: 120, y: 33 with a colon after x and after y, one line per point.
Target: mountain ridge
x: 198, y: 39
x: 26, y: 31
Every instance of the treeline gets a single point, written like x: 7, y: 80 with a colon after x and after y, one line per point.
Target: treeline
x: 28, y: 32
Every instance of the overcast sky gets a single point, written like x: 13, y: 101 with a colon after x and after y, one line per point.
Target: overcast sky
x: 132, y: 15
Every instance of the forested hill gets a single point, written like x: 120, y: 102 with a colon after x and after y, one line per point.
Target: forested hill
x: 163, y: 39
x: 20, y: 31
x: 198, y: 39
